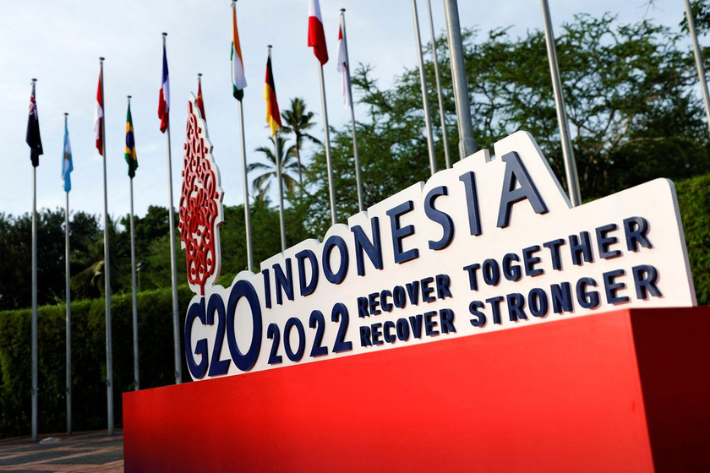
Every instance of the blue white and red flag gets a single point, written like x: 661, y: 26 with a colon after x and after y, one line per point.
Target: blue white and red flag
x: 164, y: 101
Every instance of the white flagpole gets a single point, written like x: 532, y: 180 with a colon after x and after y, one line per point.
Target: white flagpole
x: 278, y: 179
x: 107, y: 268
x: 331, y: 186
x: 425, y: 98
x: 444, y: 135
x: 567, y: 151
x: 173, y: 262
x: 698, y: 59
x: 247, y: 216
x: 68, y: 300
x: 34, y: 295
x: 358, y: 179
x: 136, y: 368
x: 467, y: 144
x: 281, y: 192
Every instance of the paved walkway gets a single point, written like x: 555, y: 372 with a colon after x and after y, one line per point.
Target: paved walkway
x: 86, y: 452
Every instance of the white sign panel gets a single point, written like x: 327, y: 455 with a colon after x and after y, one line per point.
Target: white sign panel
x: 491, y: 244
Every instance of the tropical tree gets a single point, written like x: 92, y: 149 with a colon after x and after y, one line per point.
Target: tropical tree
x: 268, y: 172
x: 90, y: 282
x: 298, y: 122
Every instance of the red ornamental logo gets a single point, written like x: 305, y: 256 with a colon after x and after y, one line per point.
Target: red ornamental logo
x: 200, y: 205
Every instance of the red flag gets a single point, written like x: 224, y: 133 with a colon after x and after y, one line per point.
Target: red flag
x: 200, y: 101
x: 99, y: 117
x: 316, y: 34
x: 343, y: 67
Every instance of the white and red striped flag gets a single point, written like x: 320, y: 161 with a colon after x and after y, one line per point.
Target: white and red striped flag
x: 316, y: 33
x: 343, y: 68
x: 164, y: 101
x: 99, y: 117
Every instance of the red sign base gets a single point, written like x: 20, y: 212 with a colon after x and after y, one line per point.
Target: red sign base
x: 622, y: 391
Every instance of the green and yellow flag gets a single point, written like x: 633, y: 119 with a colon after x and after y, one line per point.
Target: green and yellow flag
x: 131, y: 156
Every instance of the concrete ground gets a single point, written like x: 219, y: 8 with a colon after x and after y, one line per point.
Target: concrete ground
x: 85, y: 452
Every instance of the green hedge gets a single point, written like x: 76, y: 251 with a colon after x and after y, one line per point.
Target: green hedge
x: 694, y: 203
x: 155, y: 329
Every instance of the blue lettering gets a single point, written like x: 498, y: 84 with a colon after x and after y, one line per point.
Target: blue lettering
x: 284, y: 282
x: 338, y: 276
x: 581, y: 247
x: 400, y: 233
x: 474, y: 214
x: 430, y: 324
x: 515, y: 173
x: 244, y: 361
x: 402, y: 330
x: 554, y: 247
x: 491, y: 272
x: 439, y: 217
x: 530, y: 261
x: 612, y: 287
x: 472, y: 280
x: 537, y: 302
x: 413, y: 291
x: 516, y: 302
x: 636, y: 229
x: 198, y: 370
x: 511, y: 271
x: 604, y: 241
x: 561, y: 298
x: 307, y: 288
x: 587, y: 299
x: 389, y: 337
x: 374, y: 303
x: 416, y: 321
x: 495, y: 307
x: 362, y: 307
x: 443, y: 283
x: 645, y: 278
x: 364, y: 245
x: 399, y: 297
x: 376, y: 334
x: 427, y: 290
x: 365, y: 336
x: 447, y: 321
x: 480, y: 317
x: 386, y: 306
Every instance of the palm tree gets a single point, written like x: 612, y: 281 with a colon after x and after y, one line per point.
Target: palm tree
x: 89, y: 283
x: 262, y: 182
x: 298, y: 122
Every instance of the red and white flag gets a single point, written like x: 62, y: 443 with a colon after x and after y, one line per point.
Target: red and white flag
x: 343, y: 67
x: 99, y: 117
x: 316, y: 33
x: 164, y: 101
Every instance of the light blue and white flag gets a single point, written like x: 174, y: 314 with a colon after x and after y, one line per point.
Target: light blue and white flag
x: 67, y: 162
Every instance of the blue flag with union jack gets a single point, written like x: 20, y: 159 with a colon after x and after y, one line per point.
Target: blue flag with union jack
x: 34, y: 141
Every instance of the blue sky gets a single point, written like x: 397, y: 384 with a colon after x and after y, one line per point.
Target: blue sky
x: 59, y: 43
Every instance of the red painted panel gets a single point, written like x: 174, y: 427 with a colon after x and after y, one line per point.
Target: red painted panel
x: 675, y: 374
x: 563, y: 396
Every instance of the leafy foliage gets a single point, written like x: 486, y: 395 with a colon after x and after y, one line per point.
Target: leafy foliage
x: 269, y: 171
x: 88, y: 359
x: 694, y: 202
x: 701, y: 16
x: 298, y: 121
